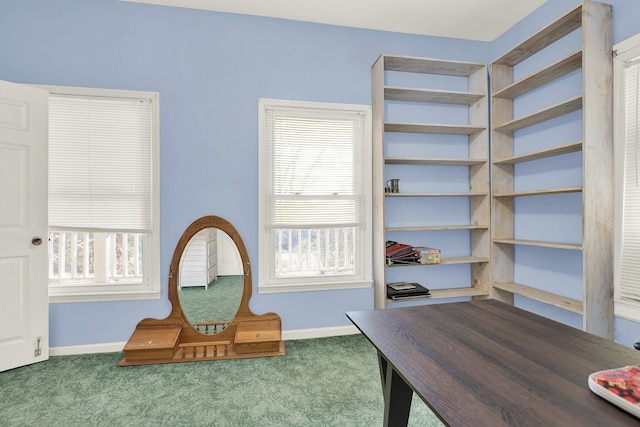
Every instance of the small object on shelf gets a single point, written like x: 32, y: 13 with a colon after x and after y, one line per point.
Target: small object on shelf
x: 410, y: 297
x: 392, y: 186
x: 407, y: 261
x: 399, y: 291
x: 619, y: 386
x: 401, y: 286
x: 428, y: 255
x: 408, y: 253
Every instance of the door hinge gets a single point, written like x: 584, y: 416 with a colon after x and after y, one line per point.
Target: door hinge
x: 37, y: 352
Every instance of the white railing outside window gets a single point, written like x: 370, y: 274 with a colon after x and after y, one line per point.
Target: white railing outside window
x: 125, y: 257
x: 314, y: 252
x: 78, y: 257
x: 71, y: 256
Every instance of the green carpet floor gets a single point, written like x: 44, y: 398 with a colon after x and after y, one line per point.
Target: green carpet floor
x: 320, y: 382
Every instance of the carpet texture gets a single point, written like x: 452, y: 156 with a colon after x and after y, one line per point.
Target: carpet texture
x: 320, y: 382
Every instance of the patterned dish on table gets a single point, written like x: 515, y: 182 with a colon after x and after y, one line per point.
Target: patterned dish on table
x: 619, y: 386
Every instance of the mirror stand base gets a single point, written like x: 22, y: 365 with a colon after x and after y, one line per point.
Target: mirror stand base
x: 258, y: 336
x: 152, y: 344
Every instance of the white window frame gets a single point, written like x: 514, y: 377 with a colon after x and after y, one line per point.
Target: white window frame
x: 267, y: 282
x: 625, y: 51
x: 150, y: 287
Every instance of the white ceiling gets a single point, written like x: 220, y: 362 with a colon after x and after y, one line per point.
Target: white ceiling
x: 482, y: 20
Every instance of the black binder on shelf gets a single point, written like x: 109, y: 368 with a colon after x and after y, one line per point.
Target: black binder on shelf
x: 399, y: 291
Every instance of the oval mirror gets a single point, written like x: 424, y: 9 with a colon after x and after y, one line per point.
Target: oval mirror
x: 210, y: 280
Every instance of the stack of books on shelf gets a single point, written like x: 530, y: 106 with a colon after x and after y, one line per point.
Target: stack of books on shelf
x: 402, y: 253
x: 402, y: 291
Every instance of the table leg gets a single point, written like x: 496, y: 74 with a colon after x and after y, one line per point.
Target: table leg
x: 397, y: 395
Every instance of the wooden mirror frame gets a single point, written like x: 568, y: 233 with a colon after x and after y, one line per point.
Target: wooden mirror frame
x: 174, y: 339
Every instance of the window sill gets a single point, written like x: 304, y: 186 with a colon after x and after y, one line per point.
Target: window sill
x: 64, y: 296
x: 304, y: 287
x: 627, y: 310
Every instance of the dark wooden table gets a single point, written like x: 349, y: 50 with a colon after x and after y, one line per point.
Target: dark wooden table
x: 485, y: 363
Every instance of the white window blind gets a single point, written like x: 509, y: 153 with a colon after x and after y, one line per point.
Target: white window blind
x: 100, y: 166
x: 314, y: 167
x: 629, y: 283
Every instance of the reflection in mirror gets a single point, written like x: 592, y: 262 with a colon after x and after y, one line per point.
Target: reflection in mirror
x: 210, y: 280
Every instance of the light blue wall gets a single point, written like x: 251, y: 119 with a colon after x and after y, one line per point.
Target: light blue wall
x: 210, y: 69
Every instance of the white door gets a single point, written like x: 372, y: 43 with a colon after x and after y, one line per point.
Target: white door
x: 24, y: 305
x: 229, y: 262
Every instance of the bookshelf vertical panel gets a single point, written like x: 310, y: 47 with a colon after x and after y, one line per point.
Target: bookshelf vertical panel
x: 598, y: 189
x: 378, y: 154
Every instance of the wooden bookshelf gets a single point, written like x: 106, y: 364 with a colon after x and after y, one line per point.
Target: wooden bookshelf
x: 475, y: 130
x: 595, y: 103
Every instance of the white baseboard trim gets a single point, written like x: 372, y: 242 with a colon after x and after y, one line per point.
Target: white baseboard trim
x: 114, y: 347
x: 300, y: 334
x: 109, y: 347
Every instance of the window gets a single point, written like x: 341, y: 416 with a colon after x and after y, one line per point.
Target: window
x: 103, y: 195
x: 315, y: 196
x: 627, y: 167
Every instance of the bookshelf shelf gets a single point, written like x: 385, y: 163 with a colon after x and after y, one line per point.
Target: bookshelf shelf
x: 557, y: 110
x: 432, y: 96
x: 572, y: 147
x: 555, y: 300
x: 554, y: 245
x: 439, y: 228
x: 469, y: 194
x: 409, y: 64
x: 433, y: 128
x: 466, y: 292
x: 566, y: 65
x: 464, y: 260
x: 447, y: 261
x: 458, y: 293
x: 433, y: 162
x: 543, y: 38
x: 539, y: 192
